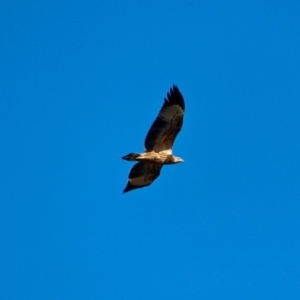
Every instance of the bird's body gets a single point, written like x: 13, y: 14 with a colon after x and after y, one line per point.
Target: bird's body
x: 158, y: 143
x: 154, y: 157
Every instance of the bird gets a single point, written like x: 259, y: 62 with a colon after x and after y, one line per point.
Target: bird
x: 158, y: 143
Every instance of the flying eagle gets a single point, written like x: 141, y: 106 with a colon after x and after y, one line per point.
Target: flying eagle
x: 158, y: 143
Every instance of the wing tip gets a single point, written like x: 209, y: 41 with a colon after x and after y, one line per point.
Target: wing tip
x: 174, y: 96
x: 130, y: 187
x: 127, y: 188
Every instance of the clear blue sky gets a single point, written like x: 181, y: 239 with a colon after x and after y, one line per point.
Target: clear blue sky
x: 81, y: 83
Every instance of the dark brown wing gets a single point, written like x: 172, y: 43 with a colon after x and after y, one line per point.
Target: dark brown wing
x: 142, y: 174
x: 168, y: 123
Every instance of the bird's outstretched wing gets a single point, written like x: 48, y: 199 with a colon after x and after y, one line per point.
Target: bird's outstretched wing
x: 142, y: 174
x: 168, y: 123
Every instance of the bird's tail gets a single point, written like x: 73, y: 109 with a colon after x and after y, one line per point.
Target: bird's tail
x: 131, y: 156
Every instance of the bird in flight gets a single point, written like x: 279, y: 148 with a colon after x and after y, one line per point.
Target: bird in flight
x: 158, y: 143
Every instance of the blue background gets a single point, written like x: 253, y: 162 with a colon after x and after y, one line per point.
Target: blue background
x: 81, y: 83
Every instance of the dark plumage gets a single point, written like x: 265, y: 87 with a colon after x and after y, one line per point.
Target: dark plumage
x: 142, y: 174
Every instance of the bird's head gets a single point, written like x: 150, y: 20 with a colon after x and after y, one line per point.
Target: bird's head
x: 177, y: 160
